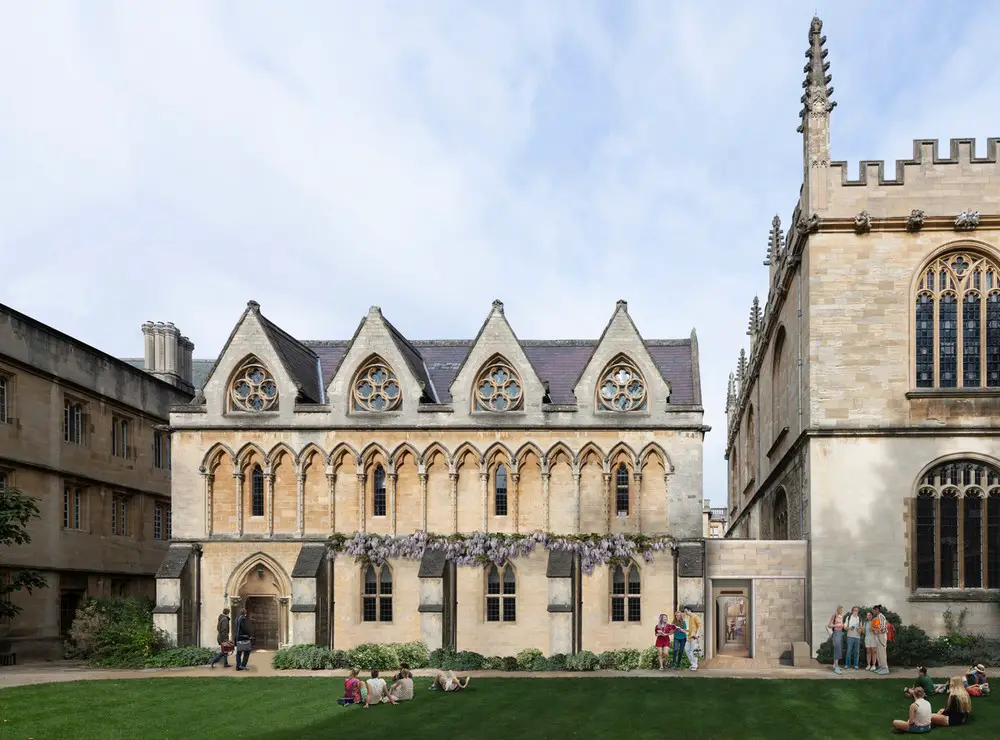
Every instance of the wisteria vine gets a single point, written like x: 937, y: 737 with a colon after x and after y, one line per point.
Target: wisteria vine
x: 481, y: 548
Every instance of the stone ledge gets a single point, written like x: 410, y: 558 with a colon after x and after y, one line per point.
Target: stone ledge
x: 945, y: 595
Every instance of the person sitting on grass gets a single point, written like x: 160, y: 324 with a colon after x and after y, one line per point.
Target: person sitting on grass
x: 377, y: 690
x: 976, y: 681
x: 403, y: 668
x: 448, y: 681
x: 956, y: 709
x: 355, y: 691
x: 923, y: 682
x: 920, y: 714
x: 402, y: 689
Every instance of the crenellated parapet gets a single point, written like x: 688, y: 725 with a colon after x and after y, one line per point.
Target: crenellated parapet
x: 925, y: 156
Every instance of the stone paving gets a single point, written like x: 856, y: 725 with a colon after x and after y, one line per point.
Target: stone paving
x: 260, y: 666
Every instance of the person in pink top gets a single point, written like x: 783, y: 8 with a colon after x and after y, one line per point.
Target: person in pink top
x: 662, y: 632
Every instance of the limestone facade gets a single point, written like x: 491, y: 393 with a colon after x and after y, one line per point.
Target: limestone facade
x: 862, y: 419
x: 84, y: 434
x: 292, y: 442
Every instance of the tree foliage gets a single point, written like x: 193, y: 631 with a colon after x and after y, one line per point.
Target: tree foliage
x: 16, y: 509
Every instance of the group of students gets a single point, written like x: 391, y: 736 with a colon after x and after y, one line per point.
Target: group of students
x: 685, y: 631
x: 958, y: 705
x: 873, y: 628
x: 376, y: 691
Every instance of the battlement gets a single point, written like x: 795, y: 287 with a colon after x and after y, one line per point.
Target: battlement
x: 925, y: 153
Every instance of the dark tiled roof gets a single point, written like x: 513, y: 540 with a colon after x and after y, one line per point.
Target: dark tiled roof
x: 718, y: 515
x: 560, y: 564
x: 309, y: 560
x: 174, y: 561
x: 298, y: 359
x: 413, y: 358
x: 432, y: 564
x: 559, y: 362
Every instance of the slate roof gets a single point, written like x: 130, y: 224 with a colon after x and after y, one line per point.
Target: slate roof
x: 199, y: 369
x: 298, y: 359
x: 174, y: 561
x: 309, y: 560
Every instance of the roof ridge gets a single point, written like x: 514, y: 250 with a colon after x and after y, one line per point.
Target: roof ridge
x: 416, y: 344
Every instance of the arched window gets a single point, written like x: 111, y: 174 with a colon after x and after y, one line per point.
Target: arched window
x: 956, y: 526
x: 621, y: 490
x: 779, y: 516
x: 375, y: 388
x: 626, y: 604
x: 252, y: 388
x: 622, y: 387
x: 376, y: 597
x: 378, y: 491
x: 501, y: 594
x: 957, y: 322
x: 734, y: 479
x: 779, y: 385
x: 498, y: 387
x: 500, y: 491
x: 750, y: 455
x: 256, y: 491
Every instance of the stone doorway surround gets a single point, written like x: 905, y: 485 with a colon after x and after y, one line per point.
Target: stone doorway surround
x: 261, y: 585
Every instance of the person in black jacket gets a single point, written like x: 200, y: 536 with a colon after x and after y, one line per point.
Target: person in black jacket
x: 225, y: 646
x: 243, y: 641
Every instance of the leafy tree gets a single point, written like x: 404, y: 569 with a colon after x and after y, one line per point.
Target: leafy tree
x: 16, y: 509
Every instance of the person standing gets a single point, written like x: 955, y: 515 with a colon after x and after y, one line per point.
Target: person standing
x: 694, y: 637
x: 880, y: 626
x: 836, y: 629
x: 680, y: 639
x: 662, y: 633
x: 870, y: 643
x: 853, y: 627
x: 225, y: 646
x: 244, y: 642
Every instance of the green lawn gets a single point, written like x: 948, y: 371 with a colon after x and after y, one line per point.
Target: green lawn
x: 500, y: 708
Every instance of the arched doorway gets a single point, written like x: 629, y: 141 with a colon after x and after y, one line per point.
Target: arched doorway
x: 261, y: 586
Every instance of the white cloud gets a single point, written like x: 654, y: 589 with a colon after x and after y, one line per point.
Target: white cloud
x: 177, y: 159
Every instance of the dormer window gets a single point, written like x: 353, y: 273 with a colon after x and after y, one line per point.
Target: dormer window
x: 622, y: 387
x: 499, y: 388
x: 376, y: 388
x: 253, y: 388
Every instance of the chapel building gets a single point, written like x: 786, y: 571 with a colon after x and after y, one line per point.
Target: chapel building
x: 294, y: 446
x: 863, y: 419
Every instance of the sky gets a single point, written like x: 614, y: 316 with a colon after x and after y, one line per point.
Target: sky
x: 169, y: 161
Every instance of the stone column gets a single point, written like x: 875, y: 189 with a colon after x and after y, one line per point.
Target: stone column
x: 545, y: 496
x: 240, y: 477
x: 390, y: 484
x: 361, y: 502
x: 209, y: 479
x: 453, y: 480
x: 484, y: 484
x: 300, y: 480
x: 637, y: 478
x: 269, y: 500
x: 576, y: 499
x: 331, y: 494
x: 515, y: 483
x: 608, y: 505
x: 283, y: 621
x: 423, y: 501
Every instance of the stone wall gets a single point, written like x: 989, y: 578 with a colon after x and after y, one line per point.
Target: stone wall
x: 779, y: 616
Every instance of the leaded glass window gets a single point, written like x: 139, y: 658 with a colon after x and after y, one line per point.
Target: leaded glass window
x: 253, y: 388
x: 621, y: 490
x: 376, y: 594
x: 378, y: 492
x: 256, y: 491
x: 957, y: 323
x: 622, y: 387
x: 926, y: 529
x: 500, y: 491
x: 780, y: 509
x: 499, y: 388
x: 376, y: 388
x: 949, y: 538
x: 626, y: 596
x: 501, y: 594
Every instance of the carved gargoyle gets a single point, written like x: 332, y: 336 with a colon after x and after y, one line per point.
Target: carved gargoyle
x: 967, y: 220
x: 863, y: 223
x: 916, y: 220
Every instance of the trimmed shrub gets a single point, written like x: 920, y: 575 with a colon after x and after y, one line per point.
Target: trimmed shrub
x: 415, y: 654
x: 304, y: 657
x: 510, y: 663
x: 439, y: 657
x: 649, y: 659
x: 115, y: 633
x: 582, y: 661
x: 464, y: 660
x: 372, y: 655
x: 557, y: 662
x: 494, y: 663
x: 619, y: 660
x: 526, y: 658
x: 182, y: 657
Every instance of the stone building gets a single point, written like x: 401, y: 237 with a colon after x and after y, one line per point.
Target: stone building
x: 714, y: 520
x: 85, y: 434
x: 862, y: 420
x: 293, y: 441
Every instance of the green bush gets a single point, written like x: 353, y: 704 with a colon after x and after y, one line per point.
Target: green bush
x: 494, y: 663
x: 181, y: 657
x: 414, y: 654
x: 582, y: 661
x: 304, y: 657
x: 372, y: 655
x: 526, y: 658
x: 464, y: 660
x: 510, y: 663
x: 115, y: 633
x: 439, y: 657
x: 557, y: 662
x: 340, y: 659
x: 649, y: 659
x: 625, y: 659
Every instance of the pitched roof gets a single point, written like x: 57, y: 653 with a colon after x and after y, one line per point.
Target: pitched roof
x: 298, y: 359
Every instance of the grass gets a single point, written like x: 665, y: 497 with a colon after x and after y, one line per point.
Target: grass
x: 518, y: 708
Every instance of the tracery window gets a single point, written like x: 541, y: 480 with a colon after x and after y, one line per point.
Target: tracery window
x: 779, y: 523
x: 3, y: 399
x: 256, y: 491
x: 501, y: 594
x: 500, y: 491
x: 376, y: 596
x: 621, y: 490
x: 622, y: 387
x: 750, y: 455
x: 956, y: 526
x: 376, y: 388
x: 626, y: 603
x: 499, y: 388
x: 253, y: 389
x: 378, y: 491
x: 957, y: 323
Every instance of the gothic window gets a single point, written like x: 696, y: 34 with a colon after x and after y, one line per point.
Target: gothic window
x: 3, y: 399
x: 501, y: 594
x: 378, y: 492
x: 779, y: 384
x: 252, y: 388
x: 376, y: 388
x: 500, y: 491
x: 256, y: 491
x: 779, y: 523
x: 621, y: 490
x: 376, y: 596
x: 73, y: 421
x: 499, y: 388
x: 734, y: 479
x: 957, y: 323
x: 750, y: 454
x: 622, y: 387
x: 956, y: 526
x: 626, y: 603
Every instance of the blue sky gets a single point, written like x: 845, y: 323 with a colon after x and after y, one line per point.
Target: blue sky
x: 170, y: 160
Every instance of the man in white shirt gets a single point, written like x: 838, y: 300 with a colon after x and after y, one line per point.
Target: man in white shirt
x: 377, y: 690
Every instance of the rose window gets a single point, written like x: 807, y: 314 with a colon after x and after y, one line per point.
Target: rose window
x: 498, y: 389
x: 622, y: 388
x: 253, y: 389
x: 376, y: 389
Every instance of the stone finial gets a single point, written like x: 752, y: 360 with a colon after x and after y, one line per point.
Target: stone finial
x: 863, y: 223
x: 753, y: 326
x: 808, y: 225
x: 817, y: 97
x: 498, y: 306
x: 375, y: 310
x: 731, y: 392
x: 623, y: 305
x: 916, y: 220
x: 741, y: 368
x: 775, y: 242
x: 967, y: 220
x: 253, y: 306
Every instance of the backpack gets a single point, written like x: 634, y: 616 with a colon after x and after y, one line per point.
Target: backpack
x: 890, y: 632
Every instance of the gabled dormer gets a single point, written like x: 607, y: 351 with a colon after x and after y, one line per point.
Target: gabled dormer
x: 496, y: 377
x: 262, y: 371
x: 381, y: 375
x: 621, y: 377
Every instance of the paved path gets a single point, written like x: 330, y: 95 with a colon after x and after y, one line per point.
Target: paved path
x: 260, y: 666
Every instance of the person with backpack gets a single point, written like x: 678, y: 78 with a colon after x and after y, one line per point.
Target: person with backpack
x: 881, y: 628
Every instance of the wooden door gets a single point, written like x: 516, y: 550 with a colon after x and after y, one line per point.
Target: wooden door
x: 262, y: 612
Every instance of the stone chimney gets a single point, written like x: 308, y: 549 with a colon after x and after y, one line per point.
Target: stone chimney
x: 168, y: 354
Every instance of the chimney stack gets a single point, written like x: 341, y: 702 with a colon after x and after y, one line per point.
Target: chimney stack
x: 168, y: 354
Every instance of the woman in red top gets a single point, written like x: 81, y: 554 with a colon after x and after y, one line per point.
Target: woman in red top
x: 662, y: 632
x: 355, y: 692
